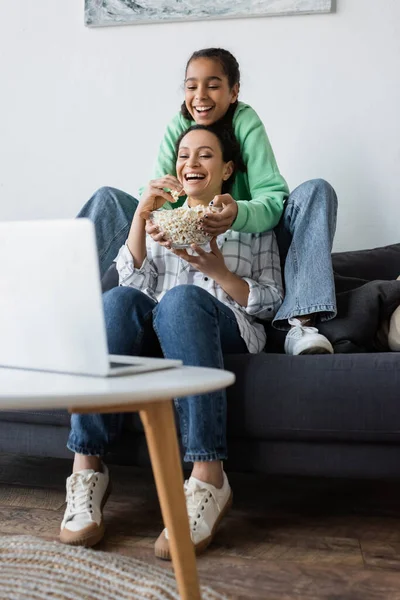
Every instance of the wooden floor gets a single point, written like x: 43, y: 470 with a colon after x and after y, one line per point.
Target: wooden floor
x: 285, y: 538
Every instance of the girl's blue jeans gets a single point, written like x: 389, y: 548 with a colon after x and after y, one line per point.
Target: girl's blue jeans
x: 305, y: 236
x: 187, y: 324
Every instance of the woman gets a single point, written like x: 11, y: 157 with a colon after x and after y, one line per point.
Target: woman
x: 194, y: 306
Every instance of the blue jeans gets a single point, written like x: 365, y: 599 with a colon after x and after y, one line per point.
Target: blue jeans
x: 188, y: 324
x: 305, y: 237
x: 111, y: 212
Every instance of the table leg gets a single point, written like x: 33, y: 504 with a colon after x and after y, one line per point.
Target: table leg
x: 159, y: 425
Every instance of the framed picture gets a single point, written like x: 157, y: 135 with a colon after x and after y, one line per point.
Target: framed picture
x: 135, y: 12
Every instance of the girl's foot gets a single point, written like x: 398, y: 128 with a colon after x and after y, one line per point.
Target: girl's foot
x: 87, y: 493
x: 206, y: 506
x: 302, y: 339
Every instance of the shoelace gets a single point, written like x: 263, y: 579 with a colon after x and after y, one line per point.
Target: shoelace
x: 301, y: 329
x: 197, y: 498
x: 80, y: 494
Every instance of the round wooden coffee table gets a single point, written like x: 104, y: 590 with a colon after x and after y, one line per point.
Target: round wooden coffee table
x: 151, y: 395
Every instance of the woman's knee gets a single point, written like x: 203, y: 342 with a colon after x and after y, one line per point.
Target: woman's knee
x: 123, y: 298
x: 183, y: 296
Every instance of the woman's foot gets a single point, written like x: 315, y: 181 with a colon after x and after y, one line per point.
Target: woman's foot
x: 302, y: 339
x: 87, y: 493
x: 206, y: 506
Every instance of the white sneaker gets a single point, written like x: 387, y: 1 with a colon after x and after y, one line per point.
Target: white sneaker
x: 306, y: 340
x: 206, y: 506
x: 87, y: 493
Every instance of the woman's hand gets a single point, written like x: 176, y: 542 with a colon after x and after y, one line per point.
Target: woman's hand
x: 213, y: 264
x: 210, y: 263
x: 154, y: 195
x: 157, y: 235
x: 217, y: 223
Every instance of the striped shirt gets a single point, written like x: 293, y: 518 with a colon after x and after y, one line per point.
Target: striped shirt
x: 253, y: 257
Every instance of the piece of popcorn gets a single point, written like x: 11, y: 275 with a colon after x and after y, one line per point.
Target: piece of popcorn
x: 175, y: 195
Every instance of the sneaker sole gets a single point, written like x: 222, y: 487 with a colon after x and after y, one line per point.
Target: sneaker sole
x: 315, y: 350
x: 164, y: 553
x: 91, y: 538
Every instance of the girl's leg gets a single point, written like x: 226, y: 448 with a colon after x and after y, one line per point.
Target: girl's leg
x: 305, y: 237
x: 128, y: 315
x: 112, y: 212
x: 194, y: 326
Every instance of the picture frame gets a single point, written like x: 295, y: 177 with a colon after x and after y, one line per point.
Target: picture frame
x: 100, y: 13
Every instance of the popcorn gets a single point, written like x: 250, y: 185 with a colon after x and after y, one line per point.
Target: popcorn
x: 175, y: 195
x: 181, y: 225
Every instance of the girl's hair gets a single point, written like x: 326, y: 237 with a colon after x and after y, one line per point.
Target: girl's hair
x: 229, y: 145
x: 230, y: 67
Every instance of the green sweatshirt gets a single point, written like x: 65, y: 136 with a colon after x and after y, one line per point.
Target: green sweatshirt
x: 260, y: 192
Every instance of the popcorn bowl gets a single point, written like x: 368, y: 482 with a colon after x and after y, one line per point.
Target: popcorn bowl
x: 181, y: 225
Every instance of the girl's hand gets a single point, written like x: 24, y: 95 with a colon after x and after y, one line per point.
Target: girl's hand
x: 216, y: 223
x: 154, y: 195
x: 210, y: 263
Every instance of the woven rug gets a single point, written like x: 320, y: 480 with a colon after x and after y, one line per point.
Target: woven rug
x: 31, y: 568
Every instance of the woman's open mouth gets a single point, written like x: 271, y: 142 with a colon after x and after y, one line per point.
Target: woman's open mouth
x: 194, y: 178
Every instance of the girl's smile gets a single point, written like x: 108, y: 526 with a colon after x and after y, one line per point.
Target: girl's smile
x: 207, y: 92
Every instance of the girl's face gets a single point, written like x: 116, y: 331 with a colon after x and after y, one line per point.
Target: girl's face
x: 200, y: 166
x: 207, y: 92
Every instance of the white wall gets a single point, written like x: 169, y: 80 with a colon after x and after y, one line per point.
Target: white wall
x: 81, y: 108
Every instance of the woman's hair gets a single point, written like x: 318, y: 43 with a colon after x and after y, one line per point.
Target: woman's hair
x: 230, y: 67
x: 229, y: 145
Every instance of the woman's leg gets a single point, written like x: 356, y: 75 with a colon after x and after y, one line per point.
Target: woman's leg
x: 112, y: 212
x: 305, y: 237
x: 128, y: 315
x: 194, y: 326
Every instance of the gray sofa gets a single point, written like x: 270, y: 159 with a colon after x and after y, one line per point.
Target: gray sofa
x: 336, y: 415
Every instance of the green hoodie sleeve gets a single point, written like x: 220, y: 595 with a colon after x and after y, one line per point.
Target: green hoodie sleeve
x: 260, y: 206
x: 166, y: 159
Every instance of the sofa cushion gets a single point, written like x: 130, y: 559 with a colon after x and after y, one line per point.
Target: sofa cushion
x: 58, y: 418
x: 110, y: 278
x: 345, y: 397
x: 362, y: 307
x: 377, y: 263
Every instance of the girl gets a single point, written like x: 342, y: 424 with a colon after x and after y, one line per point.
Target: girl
x: 194, y: 306
x: 304, y: 232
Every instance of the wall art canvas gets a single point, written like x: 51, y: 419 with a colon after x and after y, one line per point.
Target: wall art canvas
x: 136, y: 12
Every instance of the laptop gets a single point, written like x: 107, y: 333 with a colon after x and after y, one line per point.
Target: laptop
x: 51, y: 308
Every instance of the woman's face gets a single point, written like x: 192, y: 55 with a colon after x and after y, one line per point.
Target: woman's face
x: 207, y: 92
x: 200, y: 166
